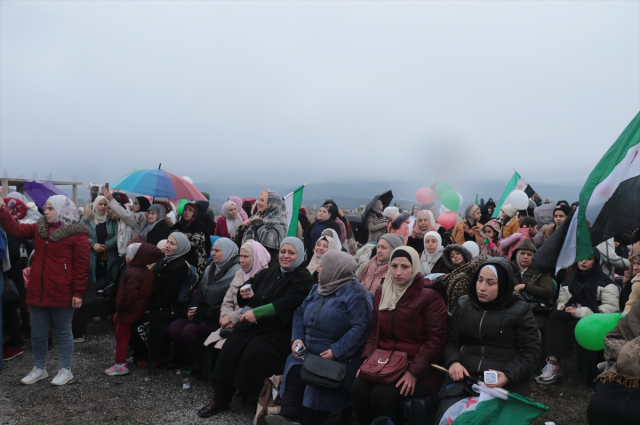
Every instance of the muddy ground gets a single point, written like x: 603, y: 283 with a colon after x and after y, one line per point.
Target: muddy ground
x: 93, y: 398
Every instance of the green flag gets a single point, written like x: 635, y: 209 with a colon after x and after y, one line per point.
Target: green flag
x: 293, y: 201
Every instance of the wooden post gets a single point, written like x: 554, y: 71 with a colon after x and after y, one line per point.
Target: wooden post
x: 75, y: 194
x: 5, y: 187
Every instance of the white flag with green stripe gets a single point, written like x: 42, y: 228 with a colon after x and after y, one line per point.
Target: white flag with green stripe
x: 293, y: 201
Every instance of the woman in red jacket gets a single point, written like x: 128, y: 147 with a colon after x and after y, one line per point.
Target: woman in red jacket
x: 58, y: 279
x: 412, y: 318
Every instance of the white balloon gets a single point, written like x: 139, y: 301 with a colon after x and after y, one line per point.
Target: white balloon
x: 187, y: 178
x: 443, y: 209
x: 472, y: 247
x: 518, y: 199
x: 461, y: 200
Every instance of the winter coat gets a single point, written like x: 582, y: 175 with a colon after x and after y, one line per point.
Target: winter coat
x: 607, y: 296
x: 510, y: 228
x: 544, y: 215
x: 546, y: 234
x: 609, y: 260
x: 200, y: 241
x: 417, y: 326
x: 221, y: 228
x: 460, y: 236
x: 168, y: 277
x: 509, y: 244
x: 208, y: 296
x: 342, y: 325
x: 135, y: 290
x: 230, y: 305
x: 60, y: 265
x: 376, y: 226
x: 112, y: 237
x: 418, y: 243
x: 160, y: 231
x: 634, y: 295
x: 504, y: 339
x: 400, y: 226
x: 628, y: 274
x: 205, y: 217
x: 130, y: 226
x: 309, y: 243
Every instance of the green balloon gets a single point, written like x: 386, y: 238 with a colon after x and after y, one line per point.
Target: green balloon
x: 451, y: 200
x: 181, y: 206
x: 442, y: 188
x: 591, y: 330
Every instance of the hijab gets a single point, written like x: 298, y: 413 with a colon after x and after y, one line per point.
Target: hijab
x: 394, y: 241
x: 229, y: 251
x: 391, y: 292
x: 427, y: 261
x: 260, y: 257
x: 506, y: 284
x: 315, y: 260
x: 298, y: 247
x: 583, y: 286
x: 274, y: 229
x: 183, y: 247
x: 233, y: 224
x: 66, y: 209
x: 162, y: 214
x: 143, y: 203
x: 238, y: 202
x: 132, y: 249
x: 338, y: 269
x: 432, y: 226
x: 97, y: 217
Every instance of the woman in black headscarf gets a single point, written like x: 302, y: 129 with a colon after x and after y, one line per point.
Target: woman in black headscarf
x: 198, y: 234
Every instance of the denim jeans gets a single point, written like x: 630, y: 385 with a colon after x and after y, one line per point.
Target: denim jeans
x: 41, y: 320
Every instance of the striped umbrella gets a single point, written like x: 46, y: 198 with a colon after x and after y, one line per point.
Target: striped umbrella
x: 159, y: 184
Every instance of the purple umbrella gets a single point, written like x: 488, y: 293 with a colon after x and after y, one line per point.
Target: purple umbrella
x: 41, y: 191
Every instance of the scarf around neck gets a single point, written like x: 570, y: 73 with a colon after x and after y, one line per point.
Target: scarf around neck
x: 392, y: 292
x: 97, y: 217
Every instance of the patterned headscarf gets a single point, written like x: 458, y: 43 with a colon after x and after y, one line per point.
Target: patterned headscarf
x: 66, y: 209
x: 274, y: 218
x: 161, y: 213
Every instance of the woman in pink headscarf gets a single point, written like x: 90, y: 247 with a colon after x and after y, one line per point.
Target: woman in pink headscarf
x: 238, y: 201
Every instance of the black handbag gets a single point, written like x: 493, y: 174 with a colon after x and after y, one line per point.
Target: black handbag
x: 538, y: 305
x: 321, y: 372
x: 10, y: 292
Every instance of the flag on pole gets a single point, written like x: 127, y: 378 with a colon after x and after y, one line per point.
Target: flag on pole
x: 516, y: 183
x: 293, y: 202
x: 494, y: 406
x: 609, y: 203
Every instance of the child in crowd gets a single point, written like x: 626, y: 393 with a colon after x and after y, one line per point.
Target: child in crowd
x: 634, y: 296
x: 490, y: 244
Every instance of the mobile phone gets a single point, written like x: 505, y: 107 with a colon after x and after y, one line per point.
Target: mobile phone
x: 193, y: 308
x: 245, y: 309
x: 106, y: 186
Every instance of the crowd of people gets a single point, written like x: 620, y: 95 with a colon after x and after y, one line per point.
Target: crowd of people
x: 238, y: 296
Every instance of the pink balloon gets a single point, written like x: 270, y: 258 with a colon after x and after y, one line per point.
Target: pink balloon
x: 426, y: 195
x: 447, y: 219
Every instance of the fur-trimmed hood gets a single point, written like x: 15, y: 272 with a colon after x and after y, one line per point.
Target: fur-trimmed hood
x: 89, y: 215
x: 401, y: 218
x: 446, y: 255
x: 62, y: 232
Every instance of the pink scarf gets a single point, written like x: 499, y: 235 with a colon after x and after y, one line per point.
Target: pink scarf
x: 236, y: 200
x: 260, y: 257
x: 373, y: 275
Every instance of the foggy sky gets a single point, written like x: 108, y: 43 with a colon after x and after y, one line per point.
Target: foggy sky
x: 316, y: 91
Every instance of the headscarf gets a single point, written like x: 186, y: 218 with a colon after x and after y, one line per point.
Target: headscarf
x: 315, y: 260
x: 583, y: 286
x: 338, y: 269
x: 229, y: 251
x: 97, y: 217
x: 503, y: 271
x: 432, y: 226
x: 66, y: 209
x: 391, y: 292
x: 427, y: 261
x: 162, y: 214
x: 298, y: 247
x: 132, y: 249
x: 468, y: 212
x: 238, y: 201
x: 394, y: 241
x: 233, y: 224
x: 332, y: 234
x: 274, y: 217
x: 18, y: 195
x: 260, y: 257
x: 183, y: 247
x: 144, y: 203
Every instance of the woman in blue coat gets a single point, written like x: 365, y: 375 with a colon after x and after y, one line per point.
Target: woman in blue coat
x: 332, y: 322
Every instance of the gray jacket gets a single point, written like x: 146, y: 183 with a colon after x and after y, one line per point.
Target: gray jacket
x: 609, y: 260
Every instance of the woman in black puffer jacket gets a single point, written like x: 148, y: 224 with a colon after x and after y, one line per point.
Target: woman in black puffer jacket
x: 491, y: 329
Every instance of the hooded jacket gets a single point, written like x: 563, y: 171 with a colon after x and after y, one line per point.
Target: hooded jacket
x: 110, y: 244
x: 446, y: 255
x: 60, y: 267
x: 135, y: 290
x: 537, y: 284
x: 460, y: 236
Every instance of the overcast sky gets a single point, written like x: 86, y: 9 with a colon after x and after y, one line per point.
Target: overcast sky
x: 316, y: 91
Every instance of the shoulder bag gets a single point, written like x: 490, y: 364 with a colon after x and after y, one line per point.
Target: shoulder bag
x: 384, y: 366
x: 10, y: 292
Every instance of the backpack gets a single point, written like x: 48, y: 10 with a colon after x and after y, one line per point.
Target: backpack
x: 188, y: 284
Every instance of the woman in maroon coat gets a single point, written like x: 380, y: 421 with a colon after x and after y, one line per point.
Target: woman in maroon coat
x: 229, y: 223
x: 412, y: 319
x: 58, y: 279
x: 133, y: 299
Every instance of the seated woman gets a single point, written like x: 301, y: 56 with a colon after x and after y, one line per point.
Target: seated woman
x: 373, y: 272
x: 491, y: 329
x: 261, y: 341
x: 157, y: 227
x: 168, y: 276
x: 463, y: 270
x: 432, y: 260
x: 586, y: 291
x: 269, y: 225
x: 203, y: 315
x: 324, y: 244
x: 424, y: 223
x: 198, y: 234
x: 468, y: 229
x: 229, y: 223
x: 617, y: 396
x: 535, y: 287
x: 411, y: 318
x: 333, y: 323
x: 323, y: 221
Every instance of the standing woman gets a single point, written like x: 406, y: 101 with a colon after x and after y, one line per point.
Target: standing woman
x: 237, y: 201
x: 322, y: 221
x: 61, y: 245
x: 157, y: 227
x: 269, y: 225
x: 407, y: 317
x: 229, y: 223
x: 198, y: 235
x: 131, y: 222
x: 372, y: 272
x: 103, y: 228
x: 376, y: 222
x: 468, y: 229
x: 424, y: 223
x: 414, y: 216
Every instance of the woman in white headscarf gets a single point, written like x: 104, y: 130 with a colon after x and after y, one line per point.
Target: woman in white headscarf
x: 324, y: 244
x: 424, y: 223
x: 229, y: 223
x: 103, y: 224
x: 431, y: 260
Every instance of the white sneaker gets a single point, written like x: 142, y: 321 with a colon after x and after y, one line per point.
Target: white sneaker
x: 63, y: 376
x: 34, y: 376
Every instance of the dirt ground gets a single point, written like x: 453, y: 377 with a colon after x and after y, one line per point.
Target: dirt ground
x: 93, y: 398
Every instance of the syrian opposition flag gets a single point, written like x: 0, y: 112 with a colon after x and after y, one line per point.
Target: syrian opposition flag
x: 494, y: 406
x: 293, y: 202
x: 516, y: 183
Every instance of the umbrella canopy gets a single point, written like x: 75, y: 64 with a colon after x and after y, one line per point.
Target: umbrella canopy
x: 158, y: 183
x: 385, y: 197
x: 41, y: 191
